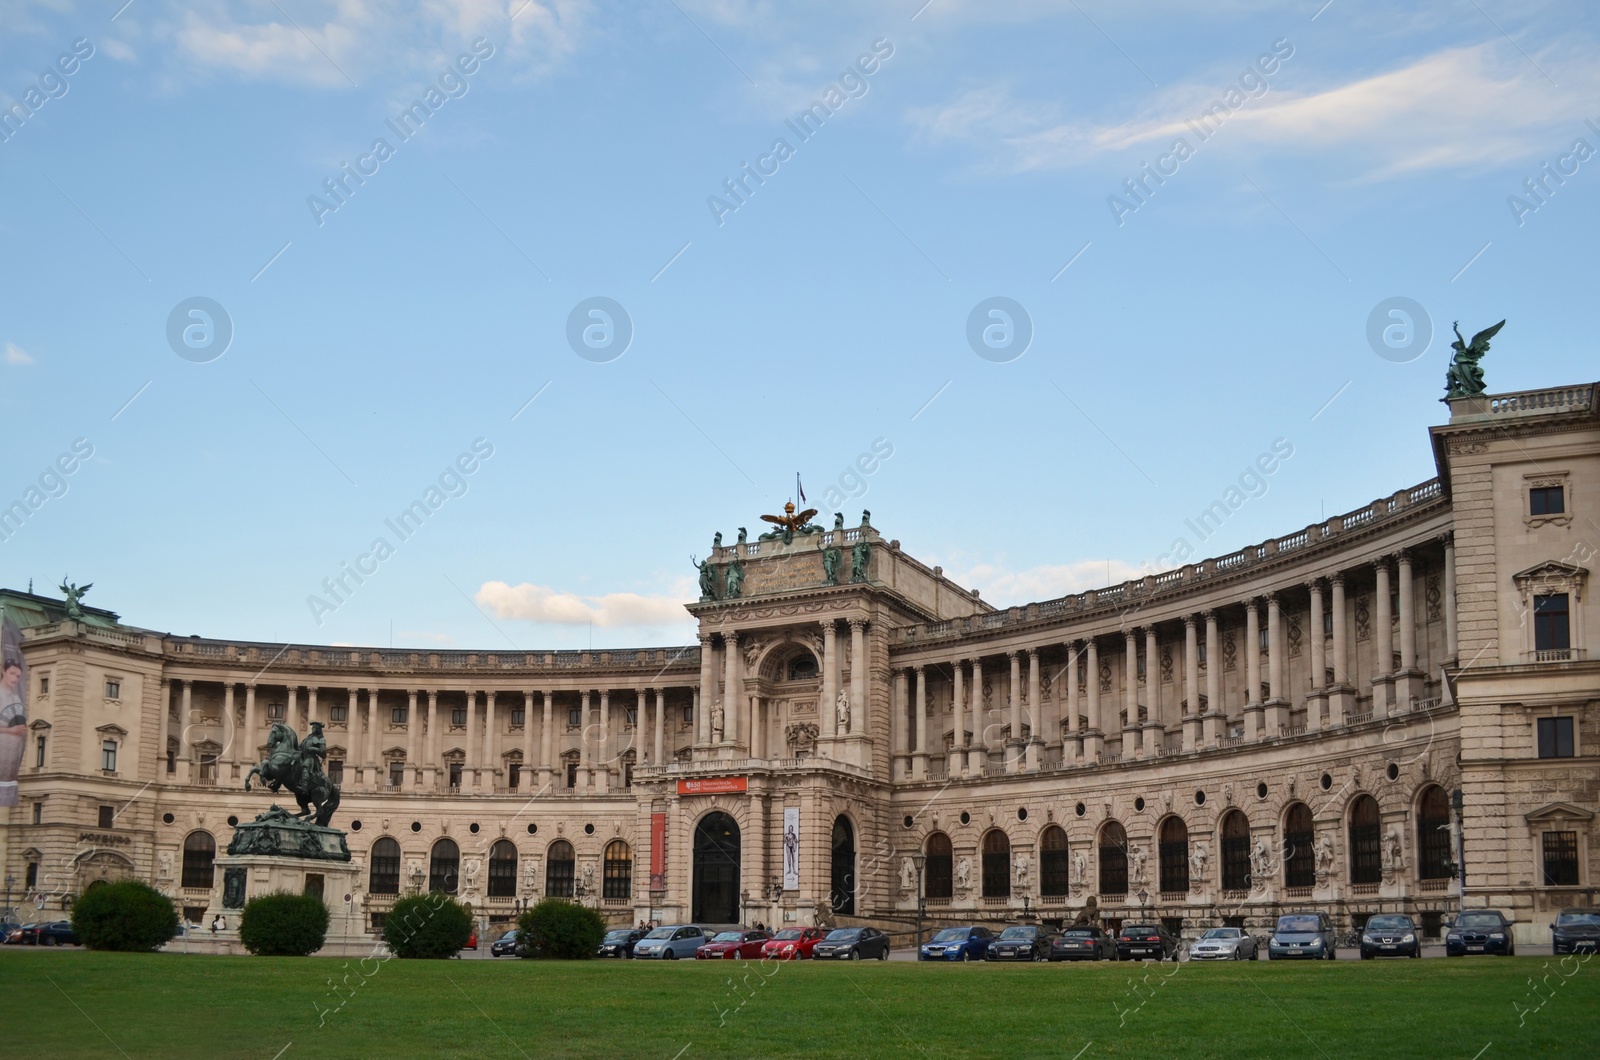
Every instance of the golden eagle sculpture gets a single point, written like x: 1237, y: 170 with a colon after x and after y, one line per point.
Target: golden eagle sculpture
x: 790, y: 523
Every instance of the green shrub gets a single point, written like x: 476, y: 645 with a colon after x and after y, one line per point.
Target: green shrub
x: 283, y: 925
x: 126, y: 915
x: 561, y: 929
x: 427, y: 926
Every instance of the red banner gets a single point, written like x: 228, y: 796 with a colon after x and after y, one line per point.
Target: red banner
x: 711, y: 786
x: 658, y: 851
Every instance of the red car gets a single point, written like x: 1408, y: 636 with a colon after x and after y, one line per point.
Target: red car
x: 793, y: 944
x: 726, y: 945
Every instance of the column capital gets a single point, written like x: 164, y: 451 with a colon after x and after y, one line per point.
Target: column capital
x: 1402, y: 555
x: 1447, y: 539
x: 1209, y: 614
x: 1272, y: 599
x: 1382, y: 562
x: 1190, y: 621
x: 188, y: 683
x: 1012, y: 655
x: 731, y: 637
x: 857, y: 624
x: 1336, y: 578
x: 1313, y: 585
x: 918, y: 670
x: 1033, y: 653
x: 705, y: 637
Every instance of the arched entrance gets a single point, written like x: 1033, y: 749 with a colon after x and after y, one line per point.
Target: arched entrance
x: 716, y: 870
x: 844, y: 866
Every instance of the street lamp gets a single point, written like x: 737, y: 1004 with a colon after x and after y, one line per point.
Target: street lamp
x: 1143, y: 896
x: 744, y: 901
x: 920, y: 860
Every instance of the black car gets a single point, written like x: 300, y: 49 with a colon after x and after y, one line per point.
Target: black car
x: 1135, y: 941
x: 1083, y: 944
x: 1390, y: 935
x: 55, y: 933
x: 852, y: 944
x: 619, y: 942
x: 1575, y: 931
x: 505, y: 944
x: 1020, y: 943
x: 1480, y: 931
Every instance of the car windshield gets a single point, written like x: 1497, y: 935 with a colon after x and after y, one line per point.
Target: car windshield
x: 844, y: 933
x: 789, y: 935
x: 951, y: 935
x: 1389, y: 923
x: 1019, y: 933
x: 1221, y: 933
x: 658, y: 933
x: 620, y: 935
x: 1579, y: 918
x: 1477, y: 920
x: 1298, y: 925
x: 728, y: 936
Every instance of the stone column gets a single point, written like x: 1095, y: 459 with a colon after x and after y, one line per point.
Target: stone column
x: 859, y: 664
x: 1131, y: 747
x: 1073, y: 754
x: 230, y: 753
x: 600, y: 757
x: 1155, y: 716
x: 732, y: 695
x: 1013, y: 748
x: 708, y: 692
x: 1339, y: 695
x: 1036, y: 736
x: 289, y: 708
x: 830, y: 679
x: 1253, y: 708
x: 1383, y: 638
x: 374, y: 749
x: 919, y: 757
x: 469, y: 753
x: 352, y: 725
x: 900, y: 737
x: 547, y: 723
x: 956, y: 761
x: 978, y: 753
x: 1448, y: 604
x: 413, y: 748
x: 1216, y: 713
x: 1409, y: 685
x: 249, y: 737
x: 585, y: 756
x: 641, y: 725
x: 491, y: 735
x: 661, y: 728
x: 1094, y: 738
x: 1191, y: 684
x: 185, y: 748
x: 1318, y: 697
x: 312, y: 711
x: 433, y: 739
x: 1277, y: 712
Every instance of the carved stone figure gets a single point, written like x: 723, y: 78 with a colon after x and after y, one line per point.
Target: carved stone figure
x: 908, y: 875
x: 866, y: 517
x: 841, y: 711
x: 716, y: 541
x: 716, y: 722
x: 588, y: 876
x: 1197, y: 863
x: 831, y: 558
x: 1324, y: 857
x: 1080, y: 867
x: 708, y: 578
x: 233, y: 881
x: 1089, y: 915
x: 860, y: 557
x: 735, y: 580
x: 1464, y: 378
x: 73, y: 594
x: 1261, y: 862
x: 742, y: 534
x: 801, y: 736
x: 1136, y: 861
x: 1393, y: 856
x: 469, y: 874
x: 164, y: 861
x: 838, y: 520
x: 1019, y: 870
x: 963, y: 872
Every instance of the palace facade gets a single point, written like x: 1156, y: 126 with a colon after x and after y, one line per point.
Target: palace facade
x: 1395, y: 709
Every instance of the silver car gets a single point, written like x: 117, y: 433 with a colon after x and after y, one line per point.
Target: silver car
x: 1224, y: 944
x: 670, y: 943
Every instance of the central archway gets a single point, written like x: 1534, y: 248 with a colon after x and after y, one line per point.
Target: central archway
x: 716, y: 870
x: 844, y: 866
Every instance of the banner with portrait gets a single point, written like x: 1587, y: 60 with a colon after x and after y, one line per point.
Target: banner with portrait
x: 791, y: 848
x: 13, y: 709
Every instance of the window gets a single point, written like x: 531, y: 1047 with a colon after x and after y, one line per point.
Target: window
x: 458, y: 717
x: 1555, y: 738
x: 208, y: 767
x: 1053, y: 875
x: 803, y: 667
x: 1551, y: 630
x: 1327, y: 623
x: 38, y: 745
x: 1113, y: 859
x: 108, y: 756
x: 455, y: 775
x: 1433, y: 835
x: 30, y: 876
x: 627, y: 772
x: 275, y: 711
x: 397, y: 773
x: 1561, y: 859
x: 1547, y: 500
x: 1299, y: 854
x: 630, y: 717
x: 385, y: 874
x: 996, y: 865
x: 1235, y: 851
x: 617, y: 872
x: 108, y: 817
x: 503, y: 869
x: 339, y: 713
x: 397, y: 715
x: 113, y: 688
x: 940, y: 878
x: 513, y: 775
x: 688, y: 715
x: 574, y: 717
x: 199, y: 857
x: 443, y: 866
x: 559, y: 871
x: 1174, y: 856
x: 336, y: 770
x: 38, y: 813
x: 572, y: 774
x: 172, y: 755
x: 519, y: 717
x: 44, y: 685
x: 1262, y: 640
x: 1365, y: 857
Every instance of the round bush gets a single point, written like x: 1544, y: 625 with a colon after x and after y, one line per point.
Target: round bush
x: 126, y: 915
x: 283, y: 925
x: 561, y: 929
x: 428, y: 926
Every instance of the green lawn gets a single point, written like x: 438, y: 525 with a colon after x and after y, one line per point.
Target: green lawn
x: 166, y: 1005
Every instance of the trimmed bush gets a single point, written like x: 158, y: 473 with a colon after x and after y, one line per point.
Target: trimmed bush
x: 427, y: 926
x: 561, y: 929
x: 126, y: 915
x: 283, y: 925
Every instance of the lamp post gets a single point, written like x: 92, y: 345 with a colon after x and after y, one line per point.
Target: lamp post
x: 920, y: 861
x: 744, y: 901
x: 11, y: 881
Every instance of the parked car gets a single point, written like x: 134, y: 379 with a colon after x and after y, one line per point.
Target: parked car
x: 55, y: 933
x: 670, y: 943
x: 1480, y: 931
x: 1575, y: 931
x: 619, y: 942
x: 1020, y: 942
x: 1302, y: 935
x: 505, y: 944
x: 1083, y: 944
x: 15, y: 934
x: 852, y: 944
x: 1136, y: 941
x: 957, y: 944
x: 793, y: 944
x: 1225, y: 944
x: 472, y: 940
x: 1390, y: 935
x: 728, y: 945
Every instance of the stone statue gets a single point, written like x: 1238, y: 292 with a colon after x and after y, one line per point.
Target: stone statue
x: 716, y: 541
x: 831, y: 558
x: 716, y: 722
x: 735, y: 580
x: 588, y: 876
x: 469, y: 874
x: 74, y: 593
x: 742, y: 534
x: 963, y: 872
x: 838, y: 520
x: 1464, y: 378
x: 866, y: 517
x: 1080, y: 867
x: 841, y: 710
x: 860, y: 556
x: 1090, y: 913
x: 1019, y: 870
x: 286, y: 767
x: 1393, y: 857
x: 1261, y: 861
x: 1324, y: 856
x: 164, y: 860
x: 908, y: 875
x: 1136, y: 859
x: 1197, y: 863
x: 708, y: 578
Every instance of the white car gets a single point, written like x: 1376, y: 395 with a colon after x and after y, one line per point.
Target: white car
x: 1224, y: 944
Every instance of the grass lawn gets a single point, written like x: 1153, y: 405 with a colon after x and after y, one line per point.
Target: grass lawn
x: 64, y: 1004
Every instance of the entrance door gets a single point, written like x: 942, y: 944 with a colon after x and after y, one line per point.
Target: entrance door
x: 716, y: 870
x: 844, y: 866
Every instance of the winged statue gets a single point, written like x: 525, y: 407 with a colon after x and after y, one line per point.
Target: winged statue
x: 791, y: 523
x: 74, y: 593
x: 1464, y: 378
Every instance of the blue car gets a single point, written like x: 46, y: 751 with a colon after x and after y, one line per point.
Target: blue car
x: 670, y: 943
x: 957, y: 944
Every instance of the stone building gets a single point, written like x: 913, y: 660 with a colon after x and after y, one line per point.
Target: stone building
x: 1373, y: 713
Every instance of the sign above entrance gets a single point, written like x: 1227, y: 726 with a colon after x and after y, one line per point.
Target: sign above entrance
x: 711, y: 785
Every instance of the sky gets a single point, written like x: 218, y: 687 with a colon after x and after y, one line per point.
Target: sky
x: 1033, y: 282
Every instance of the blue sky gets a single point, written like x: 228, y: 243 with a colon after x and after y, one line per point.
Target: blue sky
x: 1178, y: 330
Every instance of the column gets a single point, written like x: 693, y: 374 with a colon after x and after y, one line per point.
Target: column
x: 1383, y: 638
x: 545, y: 750
x: 1131, y: 747
x: 1448, y: 604
x: 1094, y: 738
x: 859, y: 664
x: 919, y: 757
x: 312, y: 713
x: 1155, y: 717
x: 433, y: 740
x: 758, y: 729
x: 707, y: 693
x: 600, y: 757
x: 830, y: 679
x: 978, y: 753
x: 585, y: 759
x: 185, y: 749
x: 251, y: 743
x: 1340, y: 695
x: 289, y: 708
x: 1013, y: 749
x: 413, y: 726
x: 469, y: 753
x: 732, y: 694
x: 1071, y: 755
x: 352, y: 723
x: 1191, y: 683
x: 231, y: 752
x: 956, y: 760
x: 1216, y: 713
x: 1277, y: 712
x: 899, y: 721
x: 1318, y: 697
x: 491, y: 735
x: 1252, y: 653
x: 661, y: 728
x: 1409, y: 686
x: 641, y: 725
x: 1036, y: 737
x: 374, y: 722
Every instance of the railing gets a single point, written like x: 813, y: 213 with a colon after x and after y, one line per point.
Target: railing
x: 1550, y: 655
x: 1294, y: 730
x: 1557, y: 399
x: 1433, y: 886
x: 1174, y: 896
x: 1297, y: 892
x: 1363, y: 890
x: 1360, y: 719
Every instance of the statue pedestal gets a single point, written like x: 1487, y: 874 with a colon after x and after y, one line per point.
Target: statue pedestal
x: 240, y: 877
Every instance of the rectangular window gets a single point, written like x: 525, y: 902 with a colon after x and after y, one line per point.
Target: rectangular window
x: 30, y: 876
x: 1550, y: 628
x: 1561, y: 859
x: 44, y: 685
x: 108, y: 817
x: 208, y: 769
x: 455, y: 775
x: 1262, y: 640
x: 39, y: 756
x: 275, y: 711
x: 627, y: 773
x: 458, y: 717
x: 108, y: 756
x: 519, y: 717
x: 172, y: 756
x: 574, y: 717
x: 513, y: 775
x: 397, y: 774
x: 630, y: 717
x: 1327, y: 623
x: 339, y: 713
x: 572, y: 774
x: 377, y: 921
x: 336, y: 770
x: 1547, y: 500
x: 38, y: 813
x: 113, y: 688
x: 688, y: 716
x: 397, y: 715
x: 1555, y: 738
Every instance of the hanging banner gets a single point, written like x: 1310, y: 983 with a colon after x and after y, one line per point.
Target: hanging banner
x: 711, y: 786
x: 13, y: 709
x: 658, y: 851
x: 791, y: 848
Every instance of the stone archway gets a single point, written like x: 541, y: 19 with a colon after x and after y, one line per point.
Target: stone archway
x: 842, y: 894
x: 715, y: 895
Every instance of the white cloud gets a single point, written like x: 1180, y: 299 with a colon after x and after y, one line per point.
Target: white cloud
x: 539, y: 603
x: 17, y: 355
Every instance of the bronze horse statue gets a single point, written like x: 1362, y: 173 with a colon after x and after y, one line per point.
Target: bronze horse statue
x: 287, y: 767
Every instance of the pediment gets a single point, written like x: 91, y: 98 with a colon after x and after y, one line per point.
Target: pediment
x: 39, y: 725
x: 111, y: 730
x: 1551, y: 572
x: 1559, y: 811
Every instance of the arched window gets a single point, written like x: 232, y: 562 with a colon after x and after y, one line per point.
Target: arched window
x: 1174, y: 840
x: 503, y: 869
x: 940, y: 878
x: 384, y: 859
x: 996, y: 865
x: 1299, y: 847
x: 1365, y: 857
x: 199, y: 858
x: 559, y: 869
x: 1113, y: 859
x: 802, y: 667
x: 444, y: 867
x: 1235, y: 851
x: 1053, y: 875
x: 617, y: 876
x: 1433, y: 835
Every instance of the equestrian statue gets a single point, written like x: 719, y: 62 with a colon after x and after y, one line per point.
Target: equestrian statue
x: 297, y: 765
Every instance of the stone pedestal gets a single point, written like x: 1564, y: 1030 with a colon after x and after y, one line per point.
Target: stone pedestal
x: 1277, y: 717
